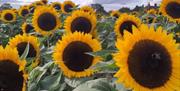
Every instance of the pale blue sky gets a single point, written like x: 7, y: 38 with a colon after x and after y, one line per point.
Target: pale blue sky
x: 108, y: 4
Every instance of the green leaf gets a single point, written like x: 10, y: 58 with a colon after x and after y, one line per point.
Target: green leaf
x: 74, y: 82
x: 101, y: 53
x: 56, y: 83
x: 51, y: 82
x: 37, y: 74
x: 106, y: 67
x: 101, y: 84
x: 25, y: 53
x: 33, y: 87
x: 84, y: 88
x: 105, y: 54
x: 119, y: 86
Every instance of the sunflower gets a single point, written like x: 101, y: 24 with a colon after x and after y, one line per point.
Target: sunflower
x: 44, y: 1
x: 23, y: 11
x: 56, y: 5
x: 20, y: 42
x: 171, y: 8
x: 87, y: 9
x: 81, y: 21
x: 0, y: 15
x: 115, y: 14
x: 135, y: 13
x: 45, y: 20
x: 70, y: 54
x: 149, y: 60
x: 15, y: 10
x: 27, y: 28
x: 8, y: 16
x: 39, y: 3
x: 152, y: 11
x: 68, y: 6
x: 125, y: 23
x: 13, y: 77
x: 31, y: 8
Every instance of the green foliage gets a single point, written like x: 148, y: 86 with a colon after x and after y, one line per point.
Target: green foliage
x: 101, y: 84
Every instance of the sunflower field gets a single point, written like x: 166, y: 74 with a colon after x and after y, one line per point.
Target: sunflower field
x: 55, y: 46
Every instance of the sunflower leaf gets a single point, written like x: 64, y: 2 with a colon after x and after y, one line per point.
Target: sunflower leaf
x: 101, y: 84
x: 101, y: 53
x: 51, y: 82
x: 76, y: 81
x: 105, y: 54
x: 25, y: 53
x: 37, y: 74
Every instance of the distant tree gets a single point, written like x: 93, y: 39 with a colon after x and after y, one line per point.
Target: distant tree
x: 125, y: 9
x: 5, y: 6
x: 99, y: 8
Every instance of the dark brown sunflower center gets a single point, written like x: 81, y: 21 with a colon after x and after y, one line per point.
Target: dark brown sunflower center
x: 10, y: 77
x: 24, y: 12
x: 21, y: 48
x: 127, y: 25
x: 47, y: 21
x: 74, y: 56
x: 173, y: 9
x: 8, y: 16
x: 68, y: 8
x: 81, y: 24
x: 149, y: 64
x: 57, y: 7
x: 28, y: 28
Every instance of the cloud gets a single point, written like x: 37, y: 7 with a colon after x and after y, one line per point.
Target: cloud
x: 115, y: 1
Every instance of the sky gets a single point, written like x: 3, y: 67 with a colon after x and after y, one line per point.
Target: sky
x: 108, y: 4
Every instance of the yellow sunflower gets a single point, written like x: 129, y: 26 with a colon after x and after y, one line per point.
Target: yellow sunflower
x: 45, y: 20
x: 0, y: 15
x: 152, y: 11
x: 70, y: 54
x: 67, y: 7
x: 20, y: 42
x: 125, y: 23
x: 87, y: 9
x: 44, y: 1
x: 27, y: 28
x: 148, y: 60
x: 81, y: 21
x: 23, y: 11
x: 135, y: 13
x: 15, y: 10
x: 8, y: 16
x: 171, y: 8
x: 115, y: 13
x: 31, y: 8
x: 39, y: 3
x: 13, y: 77
x: 56, y: 5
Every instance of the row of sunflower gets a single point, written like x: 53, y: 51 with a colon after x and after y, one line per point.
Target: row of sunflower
x: 145, y: 56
